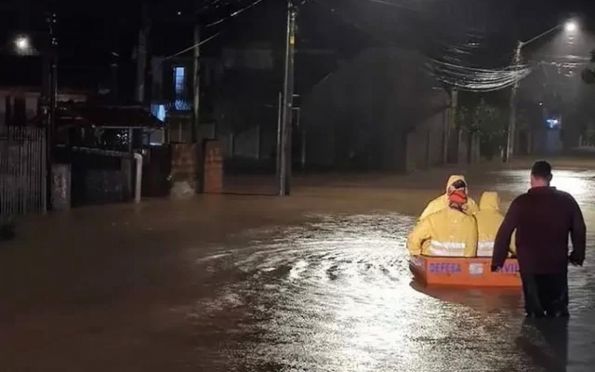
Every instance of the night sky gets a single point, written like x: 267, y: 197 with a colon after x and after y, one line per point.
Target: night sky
x: 470, y: 32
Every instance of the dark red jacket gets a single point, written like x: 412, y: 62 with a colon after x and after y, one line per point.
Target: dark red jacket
x: 543, y: 219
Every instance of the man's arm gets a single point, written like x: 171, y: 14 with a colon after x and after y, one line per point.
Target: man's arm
x: 420, y: 233
x: 502, y: 242
x: 578, y: 235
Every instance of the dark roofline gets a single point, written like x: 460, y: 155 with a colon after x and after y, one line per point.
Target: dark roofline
x: 37, y: 89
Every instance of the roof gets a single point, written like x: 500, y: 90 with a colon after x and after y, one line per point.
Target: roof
x: 82, y: 115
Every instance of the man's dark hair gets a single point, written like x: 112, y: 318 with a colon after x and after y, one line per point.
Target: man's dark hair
x: 542, y: 169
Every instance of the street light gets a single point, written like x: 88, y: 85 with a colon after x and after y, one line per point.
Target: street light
x: 22, y: 44
x: 570, y: 27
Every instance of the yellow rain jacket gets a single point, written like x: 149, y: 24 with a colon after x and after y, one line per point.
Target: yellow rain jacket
x: 489, y: 218
x: 441, y: 202
x: 446, y: 233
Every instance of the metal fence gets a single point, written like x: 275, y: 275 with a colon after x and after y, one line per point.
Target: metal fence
x: 22, y: 172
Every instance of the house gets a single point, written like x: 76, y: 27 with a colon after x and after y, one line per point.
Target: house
x: 238, y: 93
x: 21, y: 84
x: 380, y: 110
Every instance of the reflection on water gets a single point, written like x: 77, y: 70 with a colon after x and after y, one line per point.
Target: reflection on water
x: 545, y: 341
x: 211, y: 286
x: 578, y: 183
x: 336, y: 295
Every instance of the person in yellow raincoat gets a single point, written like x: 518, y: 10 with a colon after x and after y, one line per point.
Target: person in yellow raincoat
x: 449, y: 232
x: 454, y: 183
x: 489, y: 218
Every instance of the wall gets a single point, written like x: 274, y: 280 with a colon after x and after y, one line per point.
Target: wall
x: 179, y: 129
x: 547, y: 142
x: 362, y: 115
x: 98, y: 177
x: 247, y: 143
x: 9, y: 106
x: 425, y: 143
x: 185, y: 170
x: 31, y: 97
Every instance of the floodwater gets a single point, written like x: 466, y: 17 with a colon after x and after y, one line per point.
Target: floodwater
x: 319, y: 282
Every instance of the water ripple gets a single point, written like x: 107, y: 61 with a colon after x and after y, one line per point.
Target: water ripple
x: 335, y: 294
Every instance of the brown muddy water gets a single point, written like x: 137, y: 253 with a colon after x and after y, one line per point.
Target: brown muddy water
x: 318, y: 282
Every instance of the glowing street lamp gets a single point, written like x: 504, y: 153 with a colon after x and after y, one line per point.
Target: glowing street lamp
x: 570, y: 27
x: 22, y: 44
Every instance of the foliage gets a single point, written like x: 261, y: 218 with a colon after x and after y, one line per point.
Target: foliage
x: 487, y: 121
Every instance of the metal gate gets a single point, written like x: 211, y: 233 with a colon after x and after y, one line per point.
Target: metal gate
x: 22, y: 172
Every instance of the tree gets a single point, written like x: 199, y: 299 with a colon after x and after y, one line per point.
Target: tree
x: 486, y: 121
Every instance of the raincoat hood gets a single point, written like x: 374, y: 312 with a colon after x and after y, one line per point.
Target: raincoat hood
x: 490, y: 201
x: 454, y: 178
x: 489, y: 219
x: 442, y: 202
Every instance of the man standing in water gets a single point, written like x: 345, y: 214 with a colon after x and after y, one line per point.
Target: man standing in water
x: 543, y: 218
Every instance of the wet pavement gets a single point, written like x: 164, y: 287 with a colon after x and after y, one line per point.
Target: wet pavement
x: 317, y: 282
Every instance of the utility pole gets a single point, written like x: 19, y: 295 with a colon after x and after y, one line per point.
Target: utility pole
x: 510, y: 138
x: 279, y: 132
x: 114, y: 78
x: 49, y: 102
x: 141, y: 55
x: 196, y: 80
x: 450, y: 123
x: 571, y: 27
x: 285, y: 160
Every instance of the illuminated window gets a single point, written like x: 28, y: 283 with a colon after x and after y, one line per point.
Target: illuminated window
x: 179, y: 80
x: 159, y: 111
x: 181, y: 102
x: 553, y: 123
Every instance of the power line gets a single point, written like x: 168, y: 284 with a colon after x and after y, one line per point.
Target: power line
x: 453, y: 73
x: 234, y: 14
x: 193, y: 46
x: 220, y: 21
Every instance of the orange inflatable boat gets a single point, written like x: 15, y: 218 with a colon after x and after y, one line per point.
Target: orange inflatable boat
x: 464, y: 272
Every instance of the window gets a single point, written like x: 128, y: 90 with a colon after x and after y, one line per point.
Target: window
x: 7, y: 110
x: 158, y: 110
x: 179, y: 80
x: 553, y: 123
x: 20, y: 111
x: 180, y: 92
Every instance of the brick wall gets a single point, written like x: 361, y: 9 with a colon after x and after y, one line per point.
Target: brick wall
x: 185, y: 164
x: 213, y: 168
